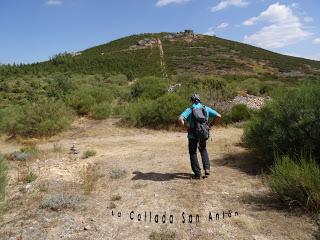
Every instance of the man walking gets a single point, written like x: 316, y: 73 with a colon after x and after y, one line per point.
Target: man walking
x: 195, y: 139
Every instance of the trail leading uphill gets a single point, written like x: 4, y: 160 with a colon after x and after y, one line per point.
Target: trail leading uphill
x: 162, y: 62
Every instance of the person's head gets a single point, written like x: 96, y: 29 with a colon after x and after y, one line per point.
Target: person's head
x: 195, y: 98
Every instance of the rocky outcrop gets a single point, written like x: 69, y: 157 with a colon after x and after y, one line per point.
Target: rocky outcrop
x: 251, y: 101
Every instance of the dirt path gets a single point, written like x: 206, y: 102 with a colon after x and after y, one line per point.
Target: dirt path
x: 162, y: 62
x: 157, y: 180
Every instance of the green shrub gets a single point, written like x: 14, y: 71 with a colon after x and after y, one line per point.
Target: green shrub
x: 85, y: 97
x: 59, y: 86
x: 289, y: 124
x: 149, y: 87
x: 31, y: 177
x: 3, y: 178
x: 158, y: 113
x: 119, y: 79
x: 239, y: 112
x: 251, y: 86
x: 210, y: 88
x: 100, y: 94
x: 89, y: 153
x: 296, y: 182
x: 216, y: 88
x: 101, y: 110
x: 43, y: 118
x: 81, y: 101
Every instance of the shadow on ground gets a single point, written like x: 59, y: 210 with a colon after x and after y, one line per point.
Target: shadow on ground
x: 153, y: 176
x: 247, y: 161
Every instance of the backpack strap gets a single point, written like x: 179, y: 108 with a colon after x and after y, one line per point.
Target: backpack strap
x: 204, y: 110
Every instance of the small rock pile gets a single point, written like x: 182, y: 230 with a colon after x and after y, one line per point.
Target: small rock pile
x: 74, y: 149
x: 186, y: 33
x: 251, y: 101
x: 147, y: 42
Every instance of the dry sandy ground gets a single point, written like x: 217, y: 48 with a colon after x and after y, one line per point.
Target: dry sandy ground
x: 157, y: 180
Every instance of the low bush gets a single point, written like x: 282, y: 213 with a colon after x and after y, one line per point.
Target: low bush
x: 296, y: 182
x: 31, y: 177
x: 3, y: 177
x: 251, y: 86
x: 87, y: 99
x: 81, y: 101
x: 119, y: 79
x: 289, y: 124
x: 101, y: 110
x: 19, y: 156
x: 238, y: 113
x: 88, y: 153
x: 216, y: 88
x: 117, y: 173
x: 160, y: 113
x: 59, y: 86
x: 60, y: 201
x: 149, y: 87
x: 44, y: 118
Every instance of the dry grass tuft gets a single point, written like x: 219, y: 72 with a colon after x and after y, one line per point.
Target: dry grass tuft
x: 112, y: 205
x: 89, y: 178
x: 116, y: 198
x: 162, y: 235
x: 117, y: 173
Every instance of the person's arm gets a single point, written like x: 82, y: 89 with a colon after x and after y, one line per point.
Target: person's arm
x: 215, y: 120
x: 215, y: 115
x: 184, y: 116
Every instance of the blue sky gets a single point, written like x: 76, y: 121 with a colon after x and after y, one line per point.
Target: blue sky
x: 34, y: 30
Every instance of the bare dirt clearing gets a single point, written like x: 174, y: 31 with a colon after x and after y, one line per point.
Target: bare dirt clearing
x: 139, y: 171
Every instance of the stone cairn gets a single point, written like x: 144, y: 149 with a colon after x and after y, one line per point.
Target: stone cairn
x: 74, y: 150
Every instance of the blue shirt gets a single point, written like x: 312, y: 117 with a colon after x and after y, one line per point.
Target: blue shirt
x: 186, y: 114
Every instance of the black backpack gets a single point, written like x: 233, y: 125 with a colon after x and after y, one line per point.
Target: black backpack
x: 200, y: 130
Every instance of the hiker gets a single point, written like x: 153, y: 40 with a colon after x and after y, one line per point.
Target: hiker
x: 197, y: 116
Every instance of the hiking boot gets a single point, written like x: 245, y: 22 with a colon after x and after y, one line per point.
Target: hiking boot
x: 196, y: 177
x: 207, y: 172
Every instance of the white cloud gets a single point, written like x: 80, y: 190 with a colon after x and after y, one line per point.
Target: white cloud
x: 54, y: 2
x: 308, y: 19
x: 285, y: 28
x: 316, y: 41
x: 223, y: 25
x: 161, y: 3
x: 228, y: 3
x: 210, y: 31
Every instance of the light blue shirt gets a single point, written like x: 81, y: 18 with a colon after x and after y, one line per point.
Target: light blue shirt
x: 186, y: 114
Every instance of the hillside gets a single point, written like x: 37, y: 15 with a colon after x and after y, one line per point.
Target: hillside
x: 138, y: 55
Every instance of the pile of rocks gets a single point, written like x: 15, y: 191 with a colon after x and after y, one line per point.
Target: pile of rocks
x: 147, y: 42
x: 186, y: 33
x: 251, y: 101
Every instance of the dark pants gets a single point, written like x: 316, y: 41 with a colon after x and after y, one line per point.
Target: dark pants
x: 193, y: 144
